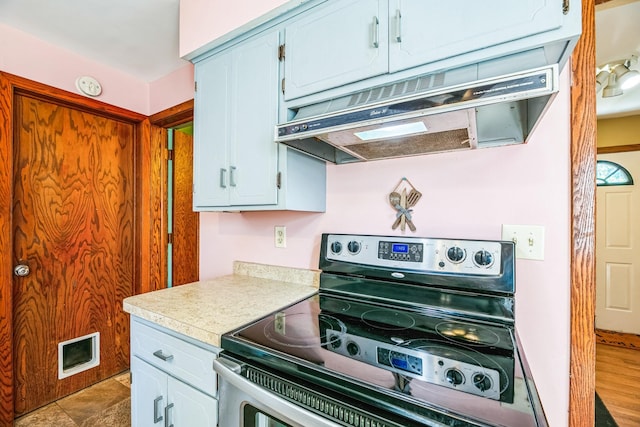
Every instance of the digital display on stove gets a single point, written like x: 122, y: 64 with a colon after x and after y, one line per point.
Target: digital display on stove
x: 400, y: 248
x: 407, y: 252
x: 399, y: 361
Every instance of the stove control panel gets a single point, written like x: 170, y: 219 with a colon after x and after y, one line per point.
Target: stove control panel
x: 417, y: 363
x: 473, y: 257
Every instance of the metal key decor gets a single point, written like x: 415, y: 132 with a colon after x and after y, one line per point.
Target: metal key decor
x: 402, y: 201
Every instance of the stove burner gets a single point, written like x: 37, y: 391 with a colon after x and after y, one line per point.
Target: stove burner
x: 467, y: 333
x: 336, y: 306
x: 388, y: 319
x: 297, y: 330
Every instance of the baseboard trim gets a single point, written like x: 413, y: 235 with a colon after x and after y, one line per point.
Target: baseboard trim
x: 618, y: 339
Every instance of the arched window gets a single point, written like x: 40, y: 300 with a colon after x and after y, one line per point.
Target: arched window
x: 610, y: 173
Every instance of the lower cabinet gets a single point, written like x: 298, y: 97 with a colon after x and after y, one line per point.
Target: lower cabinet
x: 158, y: 399
x: 172, y: 379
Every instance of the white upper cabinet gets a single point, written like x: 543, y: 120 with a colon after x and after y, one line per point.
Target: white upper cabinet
x: 343, y: 42
x: 212, y: 127
x: 236, y: 107
x: 346, y: 41
x: 237, y: 164
x: 423, y: 31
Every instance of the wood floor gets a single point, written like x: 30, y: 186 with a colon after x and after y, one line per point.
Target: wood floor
x: 618, y: 382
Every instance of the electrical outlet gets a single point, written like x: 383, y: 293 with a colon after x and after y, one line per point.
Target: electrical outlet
x: 529, y: 240
x: 279, y: 323
x: 280, y: 236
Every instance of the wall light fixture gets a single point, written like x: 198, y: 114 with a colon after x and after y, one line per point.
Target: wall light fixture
x: 613, y: 78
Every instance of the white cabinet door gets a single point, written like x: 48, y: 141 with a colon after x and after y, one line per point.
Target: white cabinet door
x: 236, y: 107
x: 253, y: 154
x: 618, y: 250
x: 342, y: 43
x: 190, y: 406
x: 148, y: 394
x: 424, y: 31
x: 156, y: 396
x: 211, y: 131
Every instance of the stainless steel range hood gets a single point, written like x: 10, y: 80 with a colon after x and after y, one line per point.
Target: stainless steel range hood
x: 411, y: 118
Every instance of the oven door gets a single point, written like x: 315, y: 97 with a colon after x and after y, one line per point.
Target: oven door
x: 245, y: 404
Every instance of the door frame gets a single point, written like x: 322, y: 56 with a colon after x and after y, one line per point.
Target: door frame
x: 10, y: 85
x: 582, y: 347
x: 160, y: 124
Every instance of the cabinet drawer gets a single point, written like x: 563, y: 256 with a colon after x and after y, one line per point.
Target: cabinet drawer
x: 181, y: 359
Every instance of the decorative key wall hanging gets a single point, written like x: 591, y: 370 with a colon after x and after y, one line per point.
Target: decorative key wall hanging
x: 402, y: 199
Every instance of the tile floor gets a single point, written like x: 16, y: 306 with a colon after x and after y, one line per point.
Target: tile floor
x: 106, y: 404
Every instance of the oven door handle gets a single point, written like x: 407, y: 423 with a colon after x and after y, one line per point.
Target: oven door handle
x: 230, y: 371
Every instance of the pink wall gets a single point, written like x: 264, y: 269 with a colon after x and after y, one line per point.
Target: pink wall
x: 465, y: 195
x: 27, y: 56
x: 203, y: 21
x: 172, y: 89
x: 35, y: 59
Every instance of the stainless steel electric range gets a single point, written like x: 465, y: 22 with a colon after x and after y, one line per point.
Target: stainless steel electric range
x: 404, y: 331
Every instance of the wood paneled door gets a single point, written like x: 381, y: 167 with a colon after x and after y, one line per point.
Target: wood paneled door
x: 74, y: 227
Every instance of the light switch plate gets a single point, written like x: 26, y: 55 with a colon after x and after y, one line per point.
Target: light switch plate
x: 529, y: 240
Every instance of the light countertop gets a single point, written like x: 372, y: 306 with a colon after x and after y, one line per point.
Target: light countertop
x: 208, y: 309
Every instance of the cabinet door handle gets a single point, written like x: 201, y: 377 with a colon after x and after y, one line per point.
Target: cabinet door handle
x: 232, y: 176
x: 223, y: 178
x: 156, y: 414
x: 160, y: 355
x: 166, y: 415
x: 398, y: 26
x: 376, y: 32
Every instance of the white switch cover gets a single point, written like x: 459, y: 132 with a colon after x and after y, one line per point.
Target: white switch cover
x: 529, y: 240
x: 280, y: 236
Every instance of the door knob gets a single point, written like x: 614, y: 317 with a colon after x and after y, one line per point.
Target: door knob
x: 21, y: 270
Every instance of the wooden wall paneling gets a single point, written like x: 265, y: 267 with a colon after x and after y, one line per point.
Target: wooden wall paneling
x: 6, y: 261
x: 10, y: 85
x: 583, y: 186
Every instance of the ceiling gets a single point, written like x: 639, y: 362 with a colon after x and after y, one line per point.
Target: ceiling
x: 140, y: 37
x: 137, y: 37
x: 618, y: 37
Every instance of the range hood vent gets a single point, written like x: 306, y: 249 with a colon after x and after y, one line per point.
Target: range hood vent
x: 427, y: 116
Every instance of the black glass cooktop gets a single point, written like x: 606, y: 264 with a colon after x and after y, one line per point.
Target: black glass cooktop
x: 405, y: 360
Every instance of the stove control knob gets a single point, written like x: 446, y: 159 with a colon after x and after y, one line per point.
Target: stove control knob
x: 336, y: 247
x: 353, y: 348
x: 335, y: 341
x: 353, y: 247
x: 482, y: 382
x: 454, y: 377
x: 483, y: 258
x: 455, y: 254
